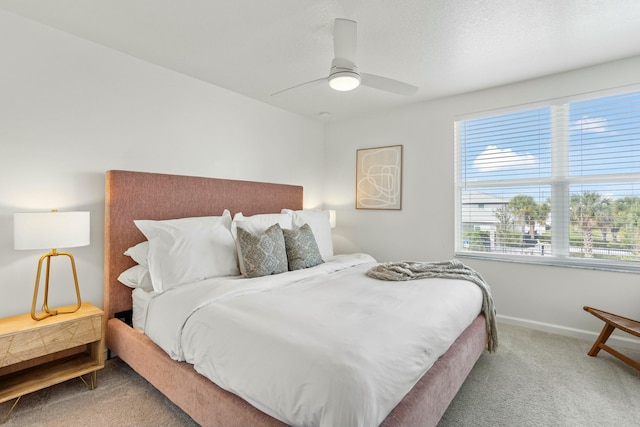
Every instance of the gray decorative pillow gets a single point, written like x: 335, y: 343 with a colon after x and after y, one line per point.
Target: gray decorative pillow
x: 265, y: 254
x: 302, y: 248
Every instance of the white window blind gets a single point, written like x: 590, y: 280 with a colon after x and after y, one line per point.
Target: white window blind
x: 558, y: 182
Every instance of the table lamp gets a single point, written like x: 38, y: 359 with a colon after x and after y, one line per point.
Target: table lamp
x: 51, y: 230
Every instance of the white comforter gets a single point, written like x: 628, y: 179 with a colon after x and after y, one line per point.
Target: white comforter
x: 325, y: 346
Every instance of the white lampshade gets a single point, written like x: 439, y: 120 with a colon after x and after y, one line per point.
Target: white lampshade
x: 332, y: 218
x: 50, y: 230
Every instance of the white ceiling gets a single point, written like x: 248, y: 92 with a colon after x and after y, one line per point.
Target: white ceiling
x: 258, y: 47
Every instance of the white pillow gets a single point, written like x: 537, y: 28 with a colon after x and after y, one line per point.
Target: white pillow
x: 320, y: 226
x: 139, y: 253
x: 189, y: 249
x: 256, y: 225
x: 136, y: 277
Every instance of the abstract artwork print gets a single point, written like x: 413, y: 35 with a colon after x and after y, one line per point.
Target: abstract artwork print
x: 379, y: 178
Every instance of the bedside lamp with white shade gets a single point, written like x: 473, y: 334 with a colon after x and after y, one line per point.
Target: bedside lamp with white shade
x: 51, y: 230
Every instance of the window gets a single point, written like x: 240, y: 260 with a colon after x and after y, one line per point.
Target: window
x: 558, y: 182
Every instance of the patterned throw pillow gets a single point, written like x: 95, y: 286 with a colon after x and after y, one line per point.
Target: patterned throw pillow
x: 265, y: 254
x: 302, y: 249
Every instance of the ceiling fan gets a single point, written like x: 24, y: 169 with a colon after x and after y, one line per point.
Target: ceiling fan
x: 344, y: 74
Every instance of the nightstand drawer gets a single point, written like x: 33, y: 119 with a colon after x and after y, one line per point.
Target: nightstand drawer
x: 49, y: 339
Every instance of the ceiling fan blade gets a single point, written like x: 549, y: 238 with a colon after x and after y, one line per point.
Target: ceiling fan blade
x: 388, y: 85
x: 345, y: 39
x: 311, y: 83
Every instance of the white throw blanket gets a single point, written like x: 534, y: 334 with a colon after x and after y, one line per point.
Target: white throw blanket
x: 453, y: 269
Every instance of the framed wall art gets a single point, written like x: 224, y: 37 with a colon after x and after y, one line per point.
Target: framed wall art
x: 379, y: 178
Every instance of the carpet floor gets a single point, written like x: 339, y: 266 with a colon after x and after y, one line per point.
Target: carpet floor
x: 541, y: 379
x: 534, y: 379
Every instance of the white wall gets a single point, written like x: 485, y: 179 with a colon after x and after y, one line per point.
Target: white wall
x: 543, y: 297
x: 70, y: 110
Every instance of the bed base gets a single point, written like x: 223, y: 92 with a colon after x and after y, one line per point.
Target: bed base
x: 209, y: 405
x: 140, y: 195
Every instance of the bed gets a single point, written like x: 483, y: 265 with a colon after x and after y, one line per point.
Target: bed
x: 139, y: 195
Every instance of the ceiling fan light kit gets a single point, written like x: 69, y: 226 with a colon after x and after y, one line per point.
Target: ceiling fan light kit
x: 344, y: 80
x: 343, y: 75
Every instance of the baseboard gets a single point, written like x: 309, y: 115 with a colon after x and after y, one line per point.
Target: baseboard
x: 614, y: 340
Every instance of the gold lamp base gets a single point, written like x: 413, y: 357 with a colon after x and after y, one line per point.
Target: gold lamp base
x: 47, y: 311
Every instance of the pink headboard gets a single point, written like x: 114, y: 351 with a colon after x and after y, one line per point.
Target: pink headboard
x: 142, y: 195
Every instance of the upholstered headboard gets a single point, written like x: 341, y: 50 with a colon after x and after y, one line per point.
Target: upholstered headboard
x: 142, y: 195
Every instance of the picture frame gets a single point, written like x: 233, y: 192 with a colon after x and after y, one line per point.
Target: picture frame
x: 379, y: 178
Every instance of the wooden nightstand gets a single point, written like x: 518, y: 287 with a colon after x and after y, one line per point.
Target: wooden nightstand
x: 39, y: 354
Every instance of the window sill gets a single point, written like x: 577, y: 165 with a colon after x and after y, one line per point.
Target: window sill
x: 590, y: 264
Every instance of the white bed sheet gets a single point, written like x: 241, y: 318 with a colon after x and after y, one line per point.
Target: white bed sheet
x: 326, y: 346
x: 139, y: 301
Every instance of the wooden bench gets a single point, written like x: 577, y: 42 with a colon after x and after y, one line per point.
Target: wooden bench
x: 611, y: 322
